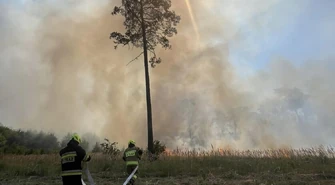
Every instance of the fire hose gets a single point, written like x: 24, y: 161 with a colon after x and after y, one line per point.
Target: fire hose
x: 130, y: 176
x: 89, y: 177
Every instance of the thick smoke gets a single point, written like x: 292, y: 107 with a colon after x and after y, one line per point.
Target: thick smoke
x: 59, y: 72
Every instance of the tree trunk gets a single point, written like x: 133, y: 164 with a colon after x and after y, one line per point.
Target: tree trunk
x: 147, y: 83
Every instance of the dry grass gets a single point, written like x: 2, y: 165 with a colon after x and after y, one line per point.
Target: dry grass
x: 284, y: 166
x: 270, y: 153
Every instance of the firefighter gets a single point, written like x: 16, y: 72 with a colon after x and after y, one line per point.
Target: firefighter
x: 71, y: 157
x: 131, y: 156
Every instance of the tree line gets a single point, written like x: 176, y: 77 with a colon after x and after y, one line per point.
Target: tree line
x: 37, y: 142
x: 28, y: 142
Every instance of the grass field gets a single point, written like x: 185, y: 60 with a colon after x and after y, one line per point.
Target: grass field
x: 277, y: 167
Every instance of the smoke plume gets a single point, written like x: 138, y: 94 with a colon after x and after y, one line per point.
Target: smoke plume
x: 59, y: 72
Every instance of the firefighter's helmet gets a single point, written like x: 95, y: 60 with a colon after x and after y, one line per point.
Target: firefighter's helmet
x: 76, y: 137
x: 131, y: 142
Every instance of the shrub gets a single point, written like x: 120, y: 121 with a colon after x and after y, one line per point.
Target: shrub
x: 110, y: 149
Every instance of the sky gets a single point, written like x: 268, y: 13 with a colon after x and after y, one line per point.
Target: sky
x: 302, y: 33
x: 297, y: 30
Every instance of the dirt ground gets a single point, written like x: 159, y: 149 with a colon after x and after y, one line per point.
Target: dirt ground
x: 307, y: 179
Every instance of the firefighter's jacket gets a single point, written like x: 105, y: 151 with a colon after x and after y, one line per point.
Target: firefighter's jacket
x: 71, y: 157
x: 132, y: 155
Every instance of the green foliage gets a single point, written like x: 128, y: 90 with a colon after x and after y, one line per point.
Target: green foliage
x: 159, y: 147
x: 159, y: 22
x: 3, y: 140
x: 32, y: 142
x: 26, y: 142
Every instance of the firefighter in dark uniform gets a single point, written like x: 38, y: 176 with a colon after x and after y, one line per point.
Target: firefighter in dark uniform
x: 131, y: 156
x: 71, y: 157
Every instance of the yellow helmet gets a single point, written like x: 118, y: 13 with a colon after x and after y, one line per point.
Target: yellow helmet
x: 76, y: 137
x: 131, y: 142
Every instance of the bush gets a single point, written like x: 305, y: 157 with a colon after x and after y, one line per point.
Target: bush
x: 159, y: 148
x: 110, y: 149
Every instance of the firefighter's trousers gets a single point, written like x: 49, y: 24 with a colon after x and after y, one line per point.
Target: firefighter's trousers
x: 130, y: 169
x: 72, y: 180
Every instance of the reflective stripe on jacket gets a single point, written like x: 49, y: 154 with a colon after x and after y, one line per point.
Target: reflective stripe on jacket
x: 131, y: 156
x: 71, y: 157
x: 71, y: 172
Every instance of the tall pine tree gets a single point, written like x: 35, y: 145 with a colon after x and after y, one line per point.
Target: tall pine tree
x: 148, y: 23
